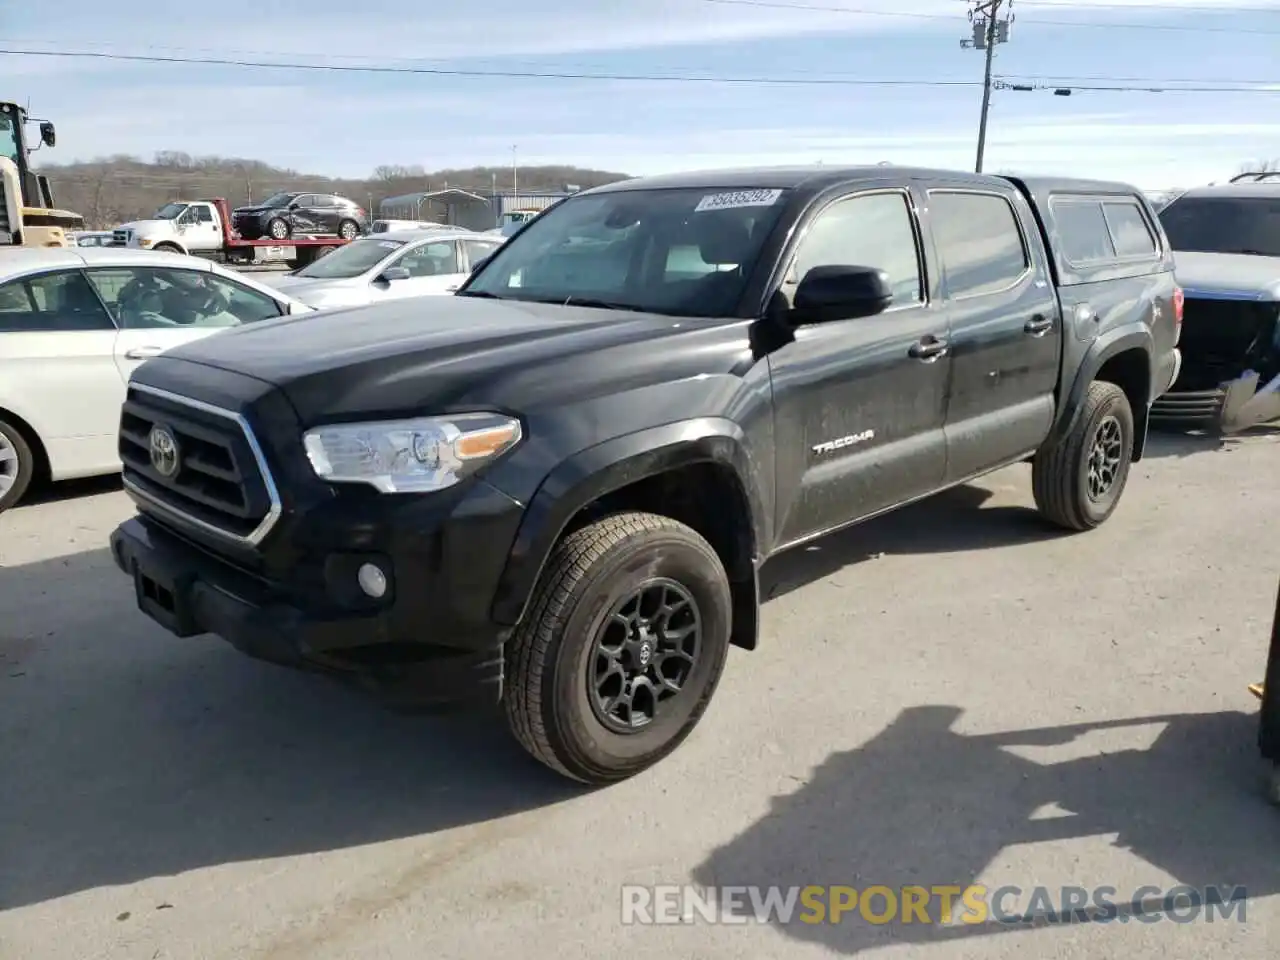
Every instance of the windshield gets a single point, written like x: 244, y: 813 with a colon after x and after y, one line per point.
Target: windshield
x: 683, y: 252
x: 170, y: 211
x: 9, y: 138
x: 1224, y: 225
x: 278, y: 200
x: 357, y: 257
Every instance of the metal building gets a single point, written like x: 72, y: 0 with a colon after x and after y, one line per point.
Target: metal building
x: 464, y: 208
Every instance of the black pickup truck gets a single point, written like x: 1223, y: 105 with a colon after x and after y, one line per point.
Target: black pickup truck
x: 554, y: 491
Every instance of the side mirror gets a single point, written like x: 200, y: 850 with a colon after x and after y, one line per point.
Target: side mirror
x: 48, y: 135
x: 394, y: 273
x: 840, y: 292
x: 480, y: 264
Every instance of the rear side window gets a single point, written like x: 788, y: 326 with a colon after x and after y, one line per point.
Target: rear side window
x: 1094, y: 230
x: 979, y: 242
x: 1082, y: 231
x: 1129, y: 231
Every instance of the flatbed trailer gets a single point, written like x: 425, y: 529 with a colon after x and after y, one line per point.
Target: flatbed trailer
x: 203, y: 228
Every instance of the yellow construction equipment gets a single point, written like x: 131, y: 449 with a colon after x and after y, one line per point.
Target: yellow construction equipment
x: 28, y: 217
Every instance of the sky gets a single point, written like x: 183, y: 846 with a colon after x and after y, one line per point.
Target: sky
x: 346, y: 122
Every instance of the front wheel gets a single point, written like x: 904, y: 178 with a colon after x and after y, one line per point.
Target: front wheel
x: 348, y: 230
x: 1078, y: 481
x: 278, y: 229
x: 621, y: 649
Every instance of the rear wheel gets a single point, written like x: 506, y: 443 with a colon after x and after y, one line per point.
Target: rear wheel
x: 1078, y: 481
x: 17, y: 465
x: 621, y: 649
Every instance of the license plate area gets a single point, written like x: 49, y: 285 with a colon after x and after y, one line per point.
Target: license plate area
x: 166, y: 601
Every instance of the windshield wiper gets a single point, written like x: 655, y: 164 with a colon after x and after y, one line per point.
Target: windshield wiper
x: 483, y: 294
x: 1253, y: 253
x: 589, y: 302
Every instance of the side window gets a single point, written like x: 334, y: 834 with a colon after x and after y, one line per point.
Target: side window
x: 873, y: 230
x: 431, y: 260
x: 204, y: 214
x: 326, y: 201
x: 979, y: 242
x: 1082, y: 231
x: 477, y: 250
x: 52, y: 303
x: 305, y: 200
x: 1129, y: 231
x: 152, y: 298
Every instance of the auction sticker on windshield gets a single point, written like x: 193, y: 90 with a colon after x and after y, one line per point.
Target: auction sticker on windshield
x: 738, y: 198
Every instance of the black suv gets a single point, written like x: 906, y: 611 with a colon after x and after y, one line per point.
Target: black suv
x: 554, y: 491
x: 285, y: 215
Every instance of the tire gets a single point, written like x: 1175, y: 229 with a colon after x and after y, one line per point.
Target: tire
x: 1060, y: 474
x: 278, y: 228
x: 348, y: 229
x: 167, y: 248
x: 549, y: 692
x: 17, y: 465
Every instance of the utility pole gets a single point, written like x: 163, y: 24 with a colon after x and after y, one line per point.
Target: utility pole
x: 989, y: 29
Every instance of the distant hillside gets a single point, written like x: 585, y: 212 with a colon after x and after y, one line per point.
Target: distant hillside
x: 112, y: 190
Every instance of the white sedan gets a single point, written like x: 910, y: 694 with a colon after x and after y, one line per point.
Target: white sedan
x: 75, y: 323
x: 388, y: 266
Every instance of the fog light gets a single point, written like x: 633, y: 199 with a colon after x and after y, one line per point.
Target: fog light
x: 372, y: 580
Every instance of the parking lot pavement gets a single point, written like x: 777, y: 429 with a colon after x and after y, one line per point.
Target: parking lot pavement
x: 952, y: 694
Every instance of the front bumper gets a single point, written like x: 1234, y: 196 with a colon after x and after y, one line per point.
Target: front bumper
x: 1230, y: 407
x: 429, y: 641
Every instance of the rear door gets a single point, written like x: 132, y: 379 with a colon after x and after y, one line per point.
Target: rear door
x: 1006, y: 327
x: 859, y: 408
x: 57, y: 370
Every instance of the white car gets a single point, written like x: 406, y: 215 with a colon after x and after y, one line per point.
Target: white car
x: 75, y: 323
x: 388, y: 266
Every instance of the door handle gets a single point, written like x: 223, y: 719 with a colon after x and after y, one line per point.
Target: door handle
x: 928, y: 349
x: 141, y: 353
x: 1038, y: 325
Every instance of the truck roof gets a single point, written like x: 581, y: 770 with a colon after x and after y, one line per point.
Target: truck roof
x: 818, y: 177
x: 1252, y: 190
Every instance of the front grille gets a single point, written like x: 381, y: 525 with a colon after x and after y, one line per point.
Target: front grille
x: 221, y: 483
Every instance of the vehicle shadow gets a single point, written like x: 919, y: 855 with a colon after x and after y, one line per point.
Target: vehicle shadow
x: 955, y: 520
x: 130, y: 754
x: 922, y: 805
x: 127, y: 754
x: 1168, y: 441
x: 49, y: 492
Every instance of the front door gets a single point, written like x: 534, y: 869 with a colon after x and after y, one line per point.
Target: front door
x: 434, y: 269
x: 859, y: 408
x: 1006, y: 327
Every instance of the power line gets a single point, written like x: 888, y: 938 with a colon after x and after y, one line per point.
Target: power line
x: 1108, y: 25
x: 1158, y: 7
x: 800, y: 72
x: 1200, y: 87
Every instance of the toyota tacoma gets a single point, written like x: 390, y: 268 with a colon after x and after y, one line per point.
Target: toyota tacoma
x: 553, y: 492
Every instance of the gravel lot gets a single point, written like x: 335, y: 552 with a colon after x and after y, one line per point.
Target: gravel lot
x: 925, y: 709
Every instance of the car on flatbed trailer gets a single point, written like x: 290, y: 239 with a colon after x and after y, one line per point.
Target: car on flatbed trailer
x: 554, y: 491
x: 203, y: 228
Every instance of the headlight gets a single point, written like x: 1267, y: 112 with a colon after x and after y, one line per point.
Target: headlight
x: 410, y: 456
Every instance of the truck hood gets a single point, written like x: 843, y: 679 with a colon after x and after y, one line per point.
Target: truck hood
x: 1228, y: 276
x: 437, y: 353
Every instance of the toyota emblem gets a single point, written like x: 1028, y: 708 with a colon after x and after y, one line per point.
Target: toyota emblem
x: 164, y: 451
